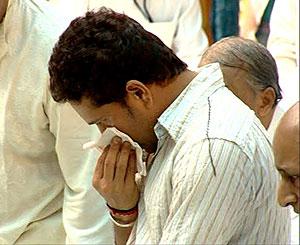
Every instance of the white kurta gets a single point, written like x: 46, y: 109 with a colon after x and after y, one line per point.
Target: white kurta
x: 283, y: 44
x: 183, y: 202
x: 42, y: 166
x: 177, y: 23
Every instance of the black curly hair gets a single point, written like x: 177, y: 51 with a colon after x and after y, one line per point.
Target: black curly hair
x: 100, y: 52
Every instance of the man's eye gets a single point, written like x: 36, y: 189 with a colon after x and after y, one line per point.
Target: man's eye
x: 295, y: 179
x: 100, y: 124
x: 107, y: 122
x: 104, y: 125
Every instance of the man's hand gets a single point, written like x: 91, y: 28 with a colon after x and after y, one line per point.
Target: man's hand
x: 114, y: 176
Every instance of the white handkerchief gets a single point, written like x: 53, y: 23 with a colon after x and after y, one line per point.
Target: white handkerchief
x: 105, y: 140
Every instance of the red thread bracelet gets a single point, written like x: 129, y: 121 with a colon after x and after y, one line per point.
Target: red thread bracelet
x: 120, y: 212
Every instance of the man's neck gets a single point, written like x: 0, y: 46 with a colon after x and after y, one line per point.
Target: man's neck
x: 167, y: 94
x: 3, y: 7
x: 164, y: 96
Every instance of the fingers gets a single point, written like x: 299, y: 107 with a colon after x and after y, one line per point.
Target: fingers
x: 117, y: 162
x: 122, y: 162
x: 114, y: 176
x: 98, y: 172
x: 132, y: 168
x: 111, y: 158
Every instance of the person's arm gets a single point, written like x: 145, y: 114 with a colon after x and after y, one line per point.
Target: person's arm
x: 114, y: 179
x: 122, y: 233
x: 190, y: 40
x: 85, y: 216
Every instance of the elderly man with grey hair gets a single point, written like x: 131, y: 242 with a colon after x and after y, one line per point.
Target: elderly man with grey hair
x: 250, y: 72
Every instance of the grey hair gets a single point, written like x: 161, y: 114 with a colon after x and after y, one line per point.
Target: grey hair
x: 253, y: 58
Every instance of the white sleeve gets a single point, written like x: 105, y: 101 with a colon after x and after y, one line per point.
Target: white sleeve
x: 283, y: 44
x: 282, y: 41
x: 85, y: 217
x: 208, y: 209
x: 190, y: 39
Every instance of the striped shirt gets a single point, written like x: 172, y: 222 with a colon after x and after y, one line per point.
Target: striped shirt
x: 183, y: 202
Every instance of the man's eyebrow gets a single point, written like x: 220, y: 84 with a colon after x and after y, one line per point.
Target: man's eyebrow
x: 286, y: 171
x: 280, y: 170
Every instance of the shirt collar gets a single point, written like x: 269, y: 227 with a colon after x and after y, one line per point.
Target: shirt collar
x: 175, y: 118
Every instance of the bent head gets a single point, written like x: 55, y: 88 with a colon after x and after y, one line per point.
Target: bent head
x: 105, y: 64
x: 286, y: 151
x: 250, y: 72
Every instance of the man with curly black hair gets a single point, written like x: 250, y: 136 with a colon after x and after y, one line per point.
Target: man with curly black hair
x: 210, y: 178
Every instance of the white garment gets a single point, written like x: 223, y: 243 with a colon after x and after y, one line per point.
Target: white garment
x: 278, y: 113
x: 42, y: 165
x: 251, y: 12
x: 295, y: 228
x: 283, y: 44
x: 177, y: 23
x: 105, y: 139
x: 183, y: 202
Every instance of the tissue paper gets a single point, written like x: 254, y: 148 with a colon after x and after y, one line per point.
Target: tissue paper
x: 105, y: 140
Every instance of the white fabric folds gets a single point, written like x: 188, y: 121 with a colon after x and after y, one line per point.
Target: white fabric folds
x: 105, y: 139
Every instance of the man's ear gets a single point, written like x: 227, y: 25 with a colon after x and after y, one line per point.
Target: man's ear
x: 265, y: 106
x: 138, y: 92
x: 266, y: 102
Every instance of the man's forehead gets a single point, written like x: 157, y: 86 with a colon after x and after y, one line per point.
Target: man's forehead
x: 288, y: 162
x: 85, y: 109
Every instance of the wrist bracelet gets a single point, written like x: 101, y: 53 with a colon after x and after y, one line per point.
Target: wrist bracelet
x: 119, y: 212
x: 119, y: 224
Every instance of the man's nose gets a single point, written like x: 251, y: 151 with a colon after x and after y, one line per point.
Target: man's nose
x: 286, y: 195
